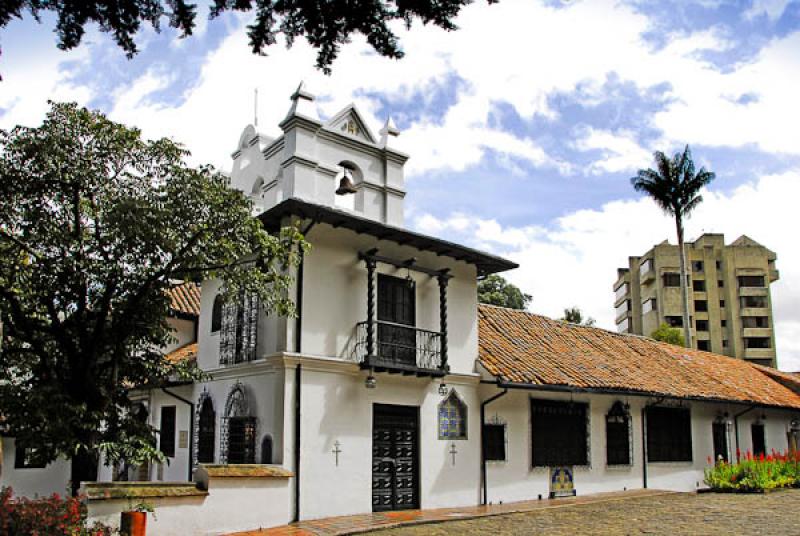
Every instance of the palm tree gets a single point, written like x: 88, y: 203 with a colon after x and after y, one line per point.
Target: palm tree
x: 675, y: 187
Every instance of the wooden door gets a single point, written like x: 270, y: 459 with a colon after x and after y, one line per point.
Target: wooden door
x: 396, y: 310
x: 395, y: 458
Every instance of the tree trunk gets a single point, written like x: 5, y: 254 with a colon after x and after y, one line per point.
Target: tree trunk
x: 687, y: 330
x: 83, y: 468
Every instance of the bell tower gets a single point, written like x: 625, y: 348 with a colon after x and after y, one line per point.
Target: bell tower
x: 338, y: 163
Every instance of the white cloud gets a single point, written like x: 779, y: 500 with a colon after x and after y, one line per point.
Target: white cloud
x: 773, y: 9
x: 619, y: 150
x: 574, y: 261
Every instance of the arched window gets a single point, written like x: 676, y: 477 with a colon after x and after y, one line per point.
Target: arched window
x: 452, y: 418
x: 238, y: 428
x: 266, y: 449
x: 216, y: 314
x: 618, y: 436
x: 206, y: 429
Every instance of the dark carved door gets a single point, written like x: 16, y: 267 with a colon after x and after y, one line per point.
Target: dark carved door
x: 396, y: 309
x: 395, y: 458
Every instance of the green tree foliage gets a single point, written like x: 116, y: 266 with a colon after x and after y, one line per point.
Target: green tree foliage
x: 574, y: 315
x: 666, y: 333
x: 495, y: 290
x: 325, y: 25
x: 675, y: 187
x: 96, y: 225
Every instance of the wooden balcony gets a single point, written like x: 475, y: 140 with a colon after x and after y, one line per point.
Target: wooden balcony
x: 400, y: 349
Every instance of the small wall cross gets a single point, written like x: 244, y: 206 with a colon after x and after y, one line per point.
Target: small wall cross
x: 336, y: 451
x: 453, y: 453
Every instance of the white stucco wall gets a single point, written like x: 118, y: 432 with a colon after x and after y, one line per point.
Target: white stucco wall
x: 32, y: 482
x: 232, y: 504
x: 337, y: 407
x: 335, y: 295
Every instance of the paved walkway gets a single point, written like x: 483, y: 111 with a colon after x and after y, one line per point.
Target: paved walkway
x: 335, y: 526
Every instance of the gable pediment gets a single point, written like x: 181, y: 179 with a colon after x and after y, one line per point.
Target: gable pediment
x: 350, y: 123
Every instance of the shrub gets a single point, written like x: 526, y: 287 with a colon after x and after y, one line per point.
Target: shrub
x: 751, y: 473
x: 54, y: 515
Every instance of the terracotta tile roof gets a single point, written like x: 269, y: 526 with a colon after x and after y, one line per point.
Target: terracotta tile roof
x: 185, y: 298
x: 187, y: 352
x: 520, y: 347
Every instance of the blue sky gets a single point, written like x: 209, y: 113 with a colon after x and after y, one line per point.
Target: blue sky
x: 524, y: 126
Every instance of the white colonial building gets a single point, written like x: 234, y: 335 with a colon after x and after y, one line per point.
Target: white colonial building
x: 392, y: 389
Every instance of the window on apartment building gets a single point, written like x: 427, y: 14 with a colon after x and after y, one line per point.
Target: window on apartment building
x: 646, y: 266
x: 674, y: 321
x: 704, y: 345
x: 494, y: 442
x: 697, y: 266
x: 559, y: 433
x: 723, y: 323
x: 757, y: 342
x: 759, y: 441
x: 699, y: 285
x: 719, y: 265
x: 722, y: 303
x: 753, y: 301
x: 25, y: 457
x: 671, y: 279
x: 702, y: 325
x: 724, y: 343
x: 720, y: 283
x: 701, y: 306
x: 618, y: 436
x: 166, y: 441
x: 755, y: 322
x: 751, y: 281
x: 624, y: 326
x: 623, y: 308
x: 621, y: 291
x: 669, y: 434
x: 649, y: 305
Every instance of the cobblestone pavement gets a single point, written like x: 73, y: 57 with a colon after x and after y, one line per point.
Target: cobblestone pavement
x: 775, y: 513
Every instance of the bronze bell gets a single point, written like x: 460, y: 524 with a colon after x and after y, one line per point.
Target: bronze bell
x: 345, y: 185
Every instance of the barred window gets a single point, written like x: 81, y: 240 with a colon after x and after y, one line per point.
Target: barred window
x: 494, y: 442
x: 25, y: 457
x: 216, y: 314
x: 167, y: 433
x: 206, y: 432
x: 452, y: 418
x: 242, y: 440
x: 669, y: 434
x: 239, y: 330
x: 559, y: 433
x: 618, y: 437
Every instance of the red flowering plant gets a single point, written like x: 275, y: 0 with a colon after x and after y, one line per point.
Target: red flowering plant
x: 755, y: 473
x: 54, y: 515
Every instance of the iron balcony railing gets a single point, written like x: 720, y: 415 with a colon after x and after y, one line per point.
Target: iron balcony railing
x: 399, y: 344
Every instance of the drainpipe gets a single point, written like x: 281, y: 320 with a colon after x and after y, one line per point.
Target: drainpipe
x: 298, y: 341
x: 297, y: 378
x: 736, y: 428
x: 483, y: 445
x: 191, y: 427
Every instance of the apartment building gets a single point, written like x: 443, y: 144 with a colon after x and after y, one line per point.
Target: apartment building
x: 729, y: 295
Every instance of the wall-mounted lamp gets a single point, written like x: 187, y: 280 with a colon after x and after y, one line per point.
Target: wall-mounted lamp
x: 370, y: 382
x: 443, y: 389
